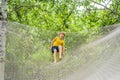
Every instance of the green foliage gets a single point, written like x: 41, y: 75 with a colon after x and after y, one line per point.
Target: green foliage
x: 63, y: 14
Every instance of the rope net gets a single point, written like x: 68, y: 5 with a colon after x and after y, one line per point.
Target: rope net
x: 28, y: 56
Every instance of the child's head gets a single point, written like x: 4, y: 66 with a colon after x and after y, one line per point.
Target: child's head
x: 62, y: 35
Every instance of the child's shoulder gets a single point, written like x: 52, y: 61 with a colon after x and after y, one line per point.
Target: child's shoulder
x: 56, y: 37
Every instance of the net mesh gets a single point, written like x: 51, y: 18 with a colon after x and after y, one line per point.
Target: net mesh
x: 28, y: 56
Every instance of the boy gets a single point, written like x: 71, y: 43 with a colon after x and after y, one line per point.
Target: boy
x: 57, y: 45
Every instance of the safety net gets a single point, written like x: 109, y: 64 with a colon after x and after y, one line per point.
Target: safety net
x: 28, y: 56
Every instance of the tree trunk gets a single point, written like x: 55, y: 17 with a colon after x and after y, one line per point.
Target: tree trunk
x: 2, y: 48
x: 3, y: 16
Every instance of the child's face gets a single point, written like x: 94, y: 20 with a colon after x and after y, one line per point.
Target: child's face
x: 62, y: 36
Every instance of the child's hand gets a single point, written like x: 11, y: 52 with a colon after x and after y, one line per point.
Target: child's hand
x: 50, y: 47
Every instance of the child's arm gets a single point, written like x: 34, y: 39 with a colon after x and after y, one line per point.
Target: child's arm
x: 64, y: 49
x: 52, y: 42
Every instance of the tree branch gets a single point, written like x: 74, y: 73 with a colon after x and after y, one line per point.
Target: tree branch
x: 69, y: 14
x: 108, y: 2
x: 21, y: 6
x: 107, y: 8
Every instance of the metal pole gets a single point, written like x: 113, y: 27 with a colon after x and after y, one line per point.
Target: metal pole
x: 3, y: 16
